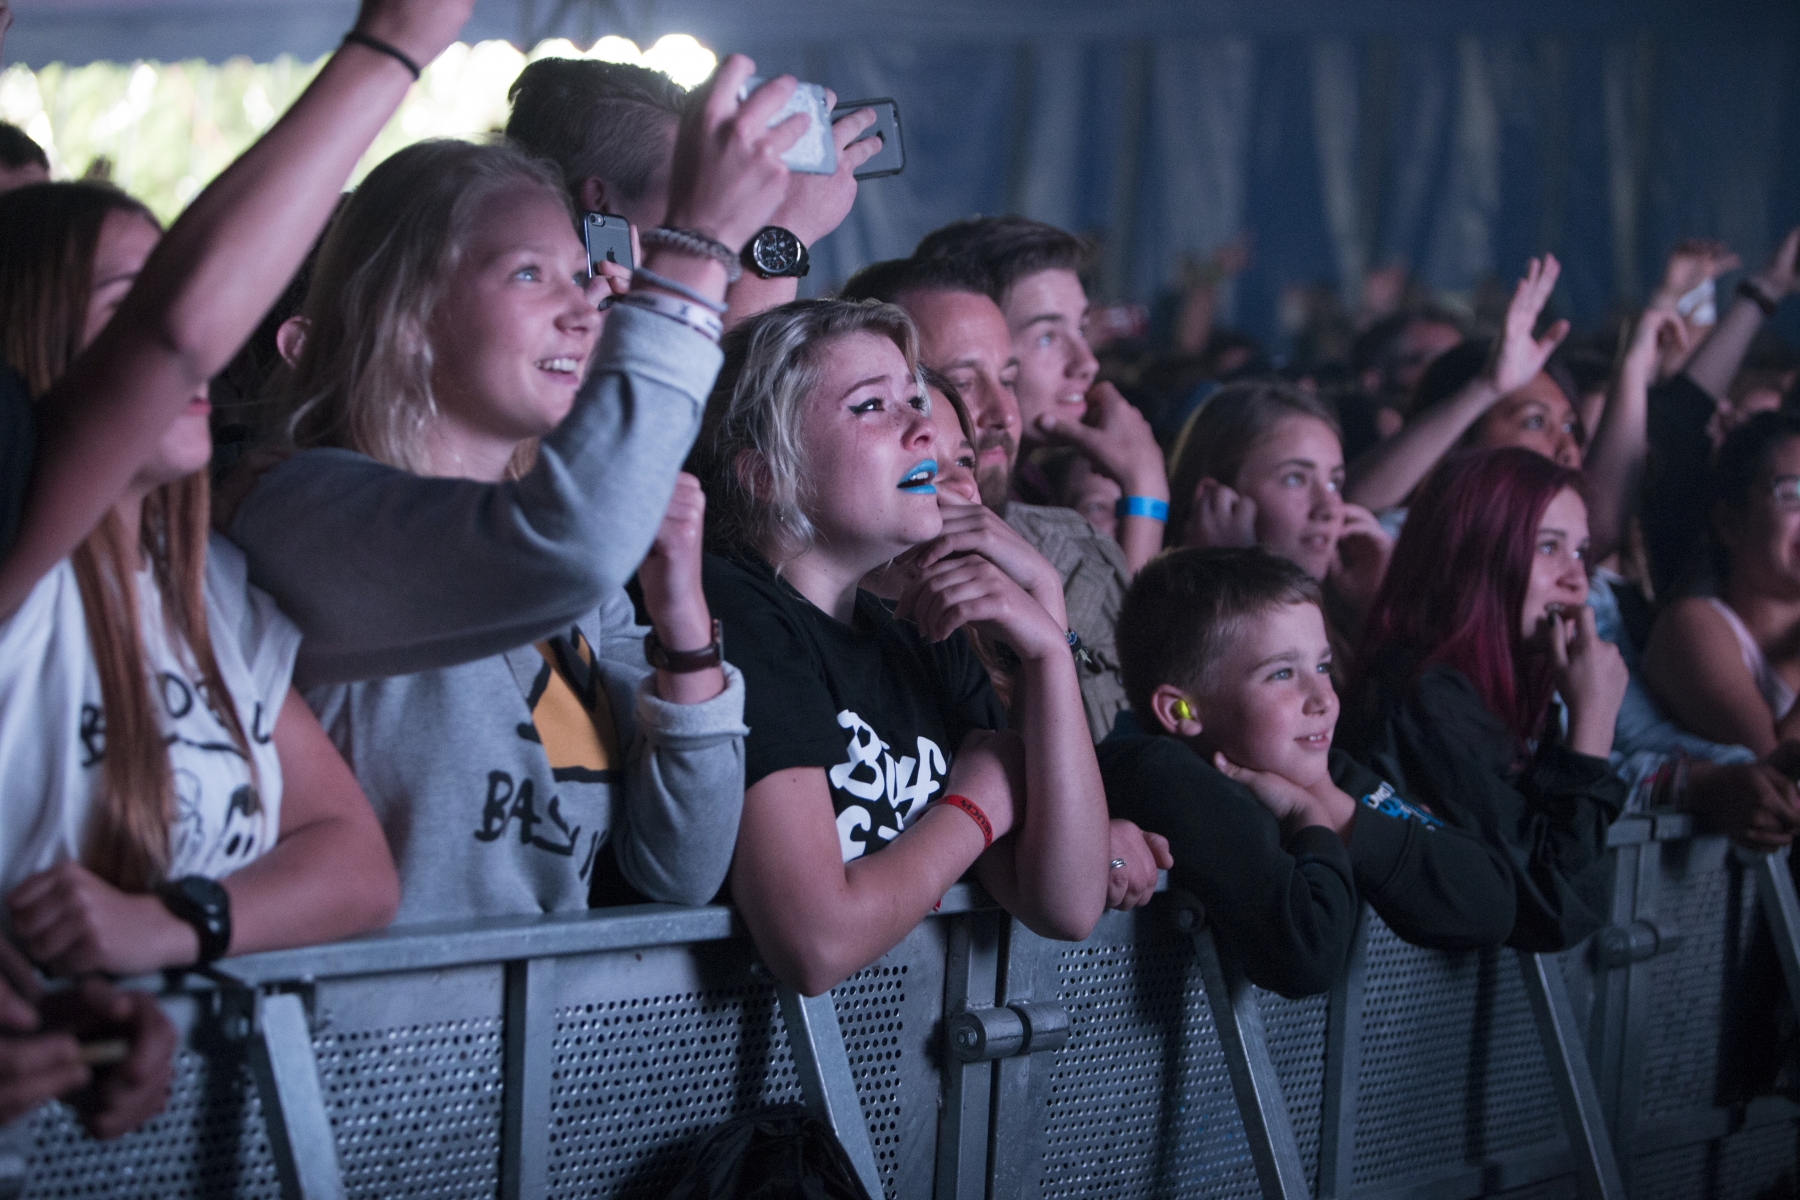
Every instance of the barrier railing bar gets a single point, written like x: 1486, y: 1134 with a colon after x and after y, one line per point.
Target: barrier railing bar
x: 971, y: 979
x: 823, y: 1066
x: 293, y: 1104
x: 1574, y: 1081
x: 427, y: 947
x: 1021, y: 1082
x: 1260, y: 1101
x: 1781, y: 908
x: 1343, y: 1068
x: 525, y: 1113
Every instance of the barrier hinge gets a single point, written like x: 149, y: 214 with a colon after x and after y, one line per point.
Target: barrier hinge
x: 1621, y: 945
x: 981, y: 1034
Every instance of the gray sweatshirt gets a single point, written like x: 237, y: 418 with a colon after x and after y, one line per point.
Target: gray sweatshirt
x: 432, y: 592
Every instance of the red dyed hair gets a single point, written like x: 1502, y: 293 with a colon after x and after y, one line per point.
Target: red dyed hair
x: 1456, y: 586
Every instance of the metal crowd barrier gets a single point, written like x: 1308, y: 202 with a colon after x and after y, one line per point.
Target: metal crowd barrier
x: 586, y: 1055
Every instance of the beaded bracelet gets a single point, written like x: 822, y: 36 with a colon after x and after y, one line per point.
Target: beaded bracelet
x: 1142, y: 506
x: 353, y: 38
x: 680, y: 289
x: 686, y: 241
x: 704, y: 323
x: 975, y: 813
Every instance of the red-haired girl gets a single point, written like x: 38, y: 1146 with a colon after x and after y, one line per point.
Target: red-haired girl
x: 1480, y: 625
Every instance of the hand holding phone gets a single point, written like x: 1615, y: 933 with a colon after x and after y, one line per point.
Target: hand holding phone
x: 815, y: 153
x: 891, y: 158
x: 608, y: 238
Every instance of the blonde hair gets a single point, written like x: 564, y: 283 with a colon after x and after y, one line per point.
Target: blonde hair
x: 362, y: 380
x: 750, y: 457
x: 48, y: 237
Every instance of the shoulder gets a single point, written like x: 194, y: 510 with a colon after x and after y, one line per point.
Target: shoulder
x: 1062, y: 534
x: 1143, y: 759
x: 245, y: 618
x: 45, y: 611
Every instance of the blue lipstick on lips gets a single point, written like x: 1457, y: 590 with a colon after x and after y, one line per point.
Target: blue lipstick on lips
x: 918, y: 481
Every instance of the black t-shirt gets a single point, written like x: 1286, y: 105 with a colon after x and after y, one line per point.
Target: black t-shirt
x: 871, y: 702
x: 18, y: 444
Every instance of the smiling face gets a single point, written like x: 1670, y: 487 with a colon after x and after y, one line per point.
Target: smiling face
x: 125, y: 242
x: 511, y: 339
x: 1295, y: 474
x: 870, y: 446
x: 1047, y: 315
x: 964, y: 335
x: 1269, y: 704
x: 1558, y: 567
x: 1763, y: 540
x: 1537, y: 417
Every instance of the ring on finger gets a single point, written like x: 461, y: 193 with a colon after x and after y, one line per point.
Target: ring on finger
x: 1118, y: 864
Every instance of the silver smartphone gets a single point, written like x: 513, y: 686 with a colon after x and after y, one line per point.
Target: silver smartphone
x: 608, y: 239
x: 891, y: 158
x: 815, y: 153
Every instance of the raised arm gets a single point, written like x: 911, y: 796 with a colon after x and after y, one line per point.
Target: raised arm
x: 209, y: 282
x: 1717, y: 360
x: 1387, y: 474
x: 1615, y: 461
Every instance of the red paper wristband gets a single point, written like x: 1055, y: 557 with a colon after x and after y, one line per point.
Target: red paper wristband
x: 975, y: 814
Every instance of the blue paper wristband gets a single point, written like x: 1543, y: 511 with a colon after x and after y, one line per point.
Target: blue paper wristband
x: 1142, y: 506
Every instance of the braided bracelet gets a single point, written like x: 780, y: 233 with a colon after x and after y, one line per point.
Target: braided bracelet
x: 687, y: 241
x: 975, y: 814
x: 354, y: 38
x: 680, y: 289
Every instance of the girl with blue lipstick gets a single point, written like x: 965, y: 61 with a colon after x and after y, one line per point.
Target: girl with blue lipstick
x: 878, y: 765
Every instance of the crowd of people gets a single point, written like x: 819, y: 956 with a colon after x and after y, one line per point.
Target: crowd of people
x: 378, y: 559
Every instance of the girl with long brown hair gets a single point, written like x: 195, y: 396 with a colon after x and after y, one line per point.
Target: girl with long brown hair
x: 170, y: 798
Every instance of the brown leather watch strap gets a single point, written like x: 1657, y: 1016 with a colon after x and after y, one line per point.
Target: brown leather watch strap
x: 683, y: 662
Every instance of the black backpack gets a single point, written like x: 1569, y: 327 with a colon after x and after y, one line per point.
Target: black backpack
x: 778, y: 1153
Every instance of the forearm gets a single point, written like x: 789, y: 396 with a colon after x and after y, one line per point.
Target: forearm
x: 1717, y: 360
x: 684, y: 795
x: 816, y: 940
x: 1142, y: 540
x: 324, y: 881
x: 1059, y: 858
x: 1386, y: 475
x: 1615, y: 465
x: 753, y: 294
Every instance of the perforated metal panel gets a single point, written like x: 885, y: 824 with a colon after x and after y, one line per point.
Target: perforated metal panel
x: 1754, y: 1164
x: 1295, y: 1031
x: 1452, y: 1068
x: 411, y: 1068
x: 1700, y: 891
x: 1140, y: 1098
x: 207, y: 1143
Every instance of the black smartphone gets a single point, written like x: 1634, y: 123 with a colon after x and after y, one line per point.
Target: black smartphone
x: 608, y: 239
x: 891, y: 158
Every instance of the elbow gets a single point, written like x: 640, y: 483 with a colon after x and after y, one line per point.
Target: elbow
x: 1071, y: 926
x: 379, y: 902
x: 809, y: 970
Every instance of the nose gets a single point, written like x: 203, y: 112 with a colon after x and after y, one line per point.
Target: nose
x: 578, y: 314
x: 1568, y: 450
x: 920, y: 432
x: 1321, y: 697
x: 1327, y: 504
x: 1082, y: 366
x: 996, y: 407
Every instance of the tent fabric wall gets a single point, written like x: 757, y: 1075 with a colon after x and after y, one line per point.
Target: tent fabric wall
x: 1457, y: 138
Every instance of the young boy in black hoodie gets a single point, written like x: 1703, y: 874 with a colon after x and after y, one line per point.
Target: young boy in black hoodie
x: 1227, y: 666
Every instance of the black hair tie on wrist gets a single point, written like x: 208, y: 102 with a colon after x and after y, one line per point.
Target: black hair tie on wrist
x: 381, y: 47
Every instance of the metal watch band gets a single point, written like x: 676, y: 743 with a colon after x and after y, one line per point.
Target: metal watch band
x: 684, y: 662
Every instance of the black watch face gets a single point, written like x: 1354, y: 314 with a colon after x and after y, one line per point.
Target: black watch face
x: 776, y: 251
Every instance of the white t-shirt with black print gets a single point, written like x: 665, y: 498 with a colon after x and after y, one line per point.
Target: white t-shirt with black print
x: 874, y: 704
x: 53, y: 728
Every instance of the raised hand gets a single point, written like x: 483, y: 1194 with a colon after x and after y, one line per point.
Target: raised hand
x: 124, y: 1095
x: 1363, y: 551
x: 420, y: 29
x: 728, y: 177
x: 1144, y: 854
x: 70, y: 921
x: 1781, y: 277
x: 1692, y: 263
x: 970, y: 590
x: 1293, y: 806
x: 975, y: 529
x: 1220, y: 518
x: 1116, y: 438
x: 1591, y: 676
x: 1518, y: 356
x: 817, y: 204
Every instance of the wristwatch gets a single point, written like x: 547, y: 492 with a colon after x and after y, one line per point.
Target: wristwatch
x: 202, y: 903
x: 775, y: 253
x: 684, y: 662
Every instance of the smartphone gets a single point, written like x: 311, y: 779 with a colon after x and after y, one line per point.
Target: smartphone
x: 891, y: 158
x: 608, y: 239
x: 815, y: 153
